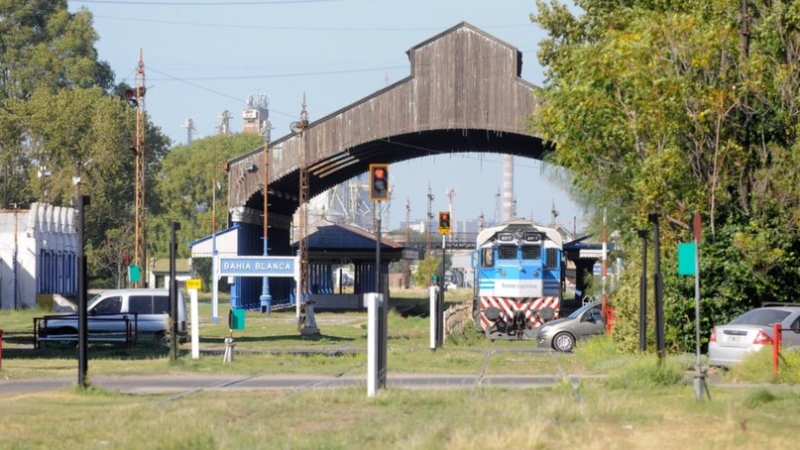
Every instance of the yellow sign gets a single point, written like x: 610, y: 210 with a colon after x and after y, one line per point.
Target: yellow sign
x: 194, y: 283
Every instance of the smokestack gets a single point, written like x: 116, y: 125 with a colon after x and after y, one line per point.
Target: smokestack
x: 508, y: 187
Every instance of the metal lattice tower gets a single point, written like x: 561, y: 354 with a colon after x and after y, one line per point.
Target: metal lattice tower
x: 302, y: 242
x: 140, y: 238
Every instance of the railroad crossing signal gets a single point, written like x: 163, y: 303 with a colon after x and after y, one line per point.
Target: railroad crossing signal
x: 378, y: 182
x: 444, y: 222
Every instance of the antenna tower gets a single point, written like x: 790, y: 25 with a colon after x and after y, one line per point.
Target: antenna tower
x: 189, y: 125
x: 224, y: 126
x: 140, y: 239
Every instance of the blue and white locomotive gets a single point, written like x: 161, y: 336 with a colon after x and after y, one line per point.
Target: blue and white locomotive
x: 519, y: 278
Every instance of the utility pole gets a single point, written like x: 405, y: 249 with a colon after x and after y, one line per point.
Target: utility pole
x: 140, y: 239
x: 406, y: 265
x: 429, y: 226
x: 214, y: 276
x: 303, y: 243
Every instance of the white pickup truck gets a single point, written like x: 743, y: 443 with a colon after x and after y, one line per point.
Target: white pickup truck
x: 117, y: 312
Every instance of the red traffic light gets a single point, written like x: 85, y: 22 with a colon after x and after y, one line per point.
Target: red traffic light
x: 379, y: 182
x: 444, y: 222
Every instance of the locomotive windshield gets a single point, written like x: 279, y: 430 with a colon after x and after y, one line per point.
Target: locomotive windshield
x: 531, y: 252
x: 506, y: 252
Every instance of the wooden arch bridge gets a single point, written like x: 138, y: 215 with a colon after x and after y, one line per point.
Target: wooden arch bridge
x: 464, y: 94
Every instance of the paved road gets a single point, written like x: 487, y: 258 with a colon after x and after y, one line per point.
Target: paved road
x: 191, y: 383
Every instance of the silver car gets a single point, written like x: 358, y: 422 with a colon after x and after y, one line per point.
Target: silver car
x: 751, y: 331
x: 561, y: 334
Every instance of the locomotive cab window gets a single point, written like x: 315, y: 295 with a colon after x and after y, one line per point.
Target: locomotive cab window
x: 552, y: 258
x: 506, y: 252
x: 531, y: 252
x: 487, y: 257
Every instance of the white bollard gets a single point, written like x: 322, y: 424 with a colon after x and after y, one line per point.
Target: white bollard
x: 372, y: 299
x: 195, y: 324
x: 433, y: 290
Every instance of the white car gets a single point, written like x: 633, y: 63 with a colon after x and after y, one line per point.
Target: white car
x: 752, y: 331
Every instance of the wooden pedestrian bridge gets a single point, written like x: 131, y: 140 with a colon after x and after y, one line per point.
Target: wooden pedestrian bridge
x: 463, y: 94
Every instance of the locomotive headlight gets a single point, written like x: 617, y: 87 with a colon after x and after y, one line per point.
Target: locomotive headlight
x: 535, y: 273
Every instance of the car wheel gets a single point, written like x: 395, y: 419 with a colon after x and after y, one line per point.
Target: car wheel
x: 162, y: 338
x: 563, y: 342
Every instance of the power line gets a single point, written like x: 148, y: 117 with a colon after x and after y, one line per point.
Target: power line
x: 293, y: 28
x: 463, y: 154
x: 222, y: 94
x: 210, y: 3
x: 290, y: 75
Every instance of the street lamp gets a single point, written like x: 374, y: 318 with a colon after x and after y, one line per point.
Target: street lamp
x: 266, y: 297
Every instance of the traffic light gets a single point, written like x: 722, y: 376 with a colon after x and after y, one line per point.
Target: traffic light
x: 378, y: 182
x: 444, y: 222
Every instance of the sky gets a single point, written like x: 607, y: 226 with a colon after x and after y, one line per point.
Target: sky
x: 203, y: 57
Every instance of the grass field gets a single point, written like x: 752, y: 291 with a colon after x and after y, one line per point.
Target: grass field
x: 638, y: 404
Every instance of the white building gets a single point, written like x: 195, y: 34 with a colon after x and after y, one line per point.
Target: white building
x: 38, y: 255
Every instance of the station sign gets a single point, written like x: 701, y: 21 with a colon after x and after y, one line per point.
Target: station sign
x: 259, y: 266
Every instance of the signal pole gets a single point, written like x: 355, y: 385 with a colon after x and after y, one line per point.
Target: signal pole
x: 444, y: 229
x: 309, y: 327
x: 379, y: 190
x: 429, y: 227
x: 140, y: 240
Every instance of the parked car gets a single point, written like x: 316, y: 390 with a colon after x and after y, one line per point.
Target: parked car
x: 751, y: 331
x: 562, y: 334
x: 147, y: 310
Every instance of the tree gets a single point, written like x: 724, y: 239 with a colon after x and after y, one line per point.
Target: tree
x: 42, y: 47
x: 662, y: 107
x: 60, y: 114
x: 192, y: 186
x: 426, y: 269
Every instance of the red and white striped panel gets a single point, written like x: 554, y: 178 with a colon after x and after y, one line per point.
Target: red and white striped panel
x: 507, y: 306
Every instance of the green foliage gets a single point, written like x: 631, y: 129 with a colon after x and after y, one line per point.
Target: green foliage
x: 57, y: 115
x: 43, y: 45
x: 469, y: 336
x: 654, y: 107
x: 760, y: 397
x: 193, y: 189
x: 426, y: 269
x: 646, y: 373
